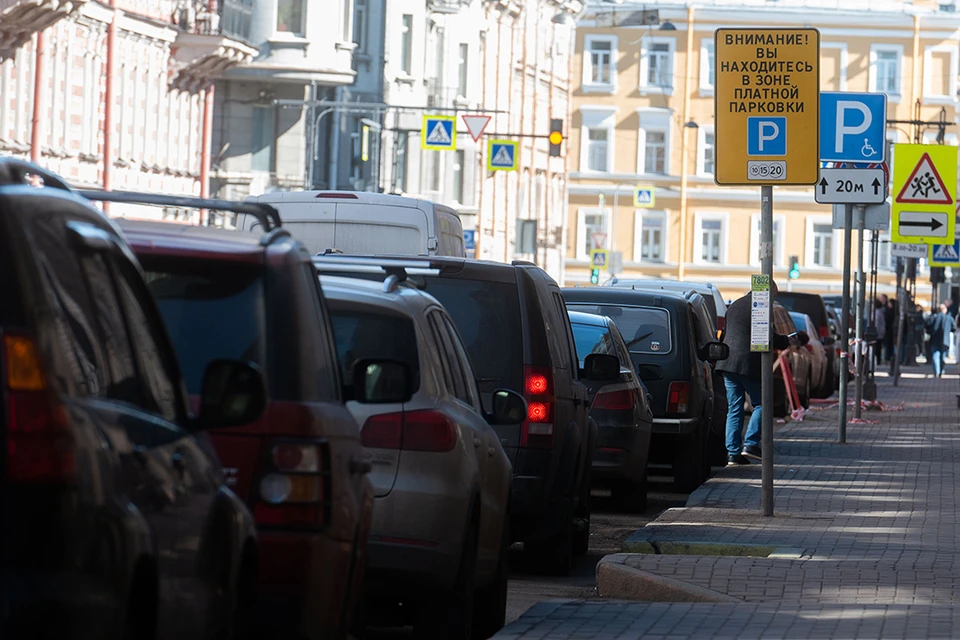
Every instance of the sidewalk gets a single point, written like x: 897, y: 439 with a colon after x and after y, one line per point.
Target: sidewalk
x: 864, y: 539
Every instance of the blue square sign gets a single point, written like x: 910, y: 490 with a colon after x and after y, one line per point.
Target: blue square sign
x: 853, y: 127
x: 469, y: 239
x: 767, y: 136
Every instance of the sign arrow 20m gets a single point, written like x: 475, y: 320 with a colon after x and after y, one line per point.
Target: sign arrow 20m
x: 922, y: 224
x: 851, y: 186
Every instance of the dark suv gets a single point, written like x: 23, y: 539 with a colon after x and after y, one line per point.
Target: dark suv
x: 670, y: 340
x: 116, y: 522
x: 515, y: 326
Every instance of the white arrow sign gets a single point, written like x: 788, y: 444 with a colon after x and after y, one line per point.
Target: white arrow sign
x: 476, y: 125
x: 908, y: 250
x: 930, y: 224
x: 851, y: 186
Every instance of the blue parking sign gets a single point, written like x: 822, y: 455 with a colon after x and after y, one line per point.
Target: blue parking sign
x: 469, y: 239
x: 767, y: 136
x: 853, y: 127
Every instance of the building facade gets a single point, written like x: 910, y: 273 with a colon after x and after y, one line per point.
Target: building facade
x: 114, y: 96
x: 643, y: 114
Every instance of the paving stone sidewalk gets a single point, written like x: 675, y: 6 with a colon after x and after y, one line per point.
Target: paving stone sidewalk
x: 874, y: 523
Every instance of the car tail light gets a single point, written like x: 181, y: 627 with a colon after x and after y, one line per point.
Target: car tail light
x: 295, y: 488
x: 537, y: 429
x: 823, y: 331
x: 614, y: 400
x: 721, y: 324
x: 338, y: 196
x: 40, y: 447
x: 679, y: 394
x: 410, y: 431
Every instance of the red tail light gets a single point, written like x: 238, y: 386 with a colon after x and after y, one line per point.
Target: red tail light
x: 537, y: 429
x: 678, y: 396
x: 339, y: 196
x: 614, y: 400
x: 40, y: 447
x: 823, y: 331
x: 295, y: 488
x: 410, y: 431
x: 721, y: 323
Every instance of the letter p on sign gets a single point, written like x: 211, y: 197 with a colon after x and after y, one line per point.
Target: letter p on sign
x: 844, y: 129
x: 767, y: 136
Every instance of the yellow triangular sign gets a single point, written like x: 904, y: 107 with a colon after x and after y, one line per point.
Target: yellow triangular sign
x: 924, y: 186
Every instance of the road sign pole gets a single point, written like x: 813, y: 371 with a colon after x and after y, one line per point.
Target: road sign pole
x: 845, y: 322
x: 901, y: 316
x: 861, y: 297
x: 766, y: 390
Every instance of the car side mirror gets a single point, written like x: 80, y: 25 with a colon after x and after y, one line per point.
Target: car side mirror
x: 714, y: 351
x: 649, y: 372
x: 509, y: 407
x: 233, y: 393
x: 382, y: 381
x: 804, y: 338
x: 601, y: 367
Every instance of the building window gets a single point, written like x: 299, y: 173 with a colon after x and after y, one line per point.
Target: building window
x: 655, y: 152
x: 599, y: 62
x: 596, y: 138
x: 462, y: 88
x: 290, y: 16
x: 459, y: 159
x: 940, y: 73
x: 360, y: 24
x: 656, y: 65
x: 649, y: 242
x: 778, y: 226
x: 822, y: 245
x: 400, y: 175
x: 597, y: 149
x: 706, y: 66
x: 263, y: 138
x: 711, y: 240
x: 406, y: 45
x: 885, y: 72
x: 590, y: 221
x: 705, y: 152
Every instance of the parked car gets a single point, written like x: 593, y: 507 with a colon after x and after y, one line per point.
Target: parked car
x: 813, y: 346
x: 514, y: 325
x: 622, y: 412
x: 800, y: 360
x: 716, y: 303
x: 672, y: 356
x: 440, y: 536
x: 116, y: 519
x: 300, y: 467
x: 362, y: 222
x: 813, y: 305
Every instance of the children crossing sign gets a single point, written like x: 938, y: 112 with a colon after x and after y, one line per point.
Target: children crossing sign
x: 503, y: 155
x: 945, y: 255
x: 439, y: 133
x: 925, y: 185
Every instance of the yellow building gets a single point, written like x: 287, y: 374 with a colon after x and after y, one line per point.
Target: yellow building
x: 643, y: 113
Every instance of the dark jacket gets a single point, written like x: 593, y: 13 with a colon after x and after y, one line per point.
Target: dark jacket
x: 939, y: 326
x: 736, y: 335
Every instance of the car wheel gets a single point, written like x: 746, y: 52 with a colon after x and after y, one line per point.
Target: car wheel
x: 490, y: 604
x: 631, y: 496
x: 688, y: 462
x: 450, y: 614
x: 553, y: 556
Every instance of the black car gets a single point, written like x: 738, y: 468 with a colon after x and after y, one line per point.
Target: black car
x: 622, y: 412
x: 672, y: 350
x: 116, y: 519
x: 514, y: 324
x: 814, y: 306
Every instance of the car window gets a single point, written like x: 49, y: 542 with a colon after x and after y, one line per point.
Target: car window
x: 371, y: 332
x: 465, y: 364
x: 487, y: 315
x: 158, y: 373
x: 328, y: 381
x: 799, y: 321
x: 782, y: 322
x: 457, y: 373
x: 210, y: 310
x: 644, y: 329
x: 570, y: 352
x: 703, y: 325
x: 591, y: 338
x: 622, y: 352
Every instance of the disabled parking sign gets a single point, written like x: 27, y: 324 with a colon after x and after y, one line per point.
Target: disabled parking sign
x: 439, y: 133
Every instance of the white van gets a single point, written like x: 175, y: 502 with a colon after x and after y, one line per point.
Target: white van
x: 360, y: 222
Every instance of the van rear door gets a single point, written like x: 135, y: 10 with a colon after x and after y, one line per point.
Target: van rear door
x: 376, y: 228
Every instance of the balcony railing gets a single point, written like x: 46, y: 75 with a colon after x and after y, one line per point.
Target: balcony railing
x: 236, y: 16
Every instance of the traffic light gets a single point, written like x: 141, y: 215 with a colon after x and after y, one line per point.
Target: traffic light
x: 595, y: 276
x: 556, y: 136
x: 794, y: 267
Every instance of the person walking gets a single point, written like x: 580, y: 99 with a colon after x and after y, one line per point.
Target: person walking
x: 939, y: 326
x: 880, y: 323
x: 742, y: 371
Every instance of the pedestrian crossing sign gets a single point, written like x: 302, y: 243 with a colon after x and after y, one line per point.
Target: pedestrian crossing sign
x: 643, y: 196
x: 598, y: 258
x: 503, y: 155
x: 439, y: 133
x: 944, y: 255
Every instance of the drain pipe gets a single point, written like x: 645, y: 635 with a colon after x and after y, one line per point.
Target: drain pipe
x: 206, y: 132
x: 38, y: 82
x: 108, y: 100
x: 335, y: 141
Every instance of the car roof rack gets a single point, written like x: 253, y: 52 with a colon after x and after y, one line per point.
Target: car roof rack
x: 268, y: 216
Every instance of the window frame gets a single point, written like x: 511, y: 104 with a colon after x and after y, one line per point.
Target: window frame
x: 406, y: 45
x: 646, y: 42
x: 872, y: 82
x: 809, y: 242
x: 597, y: 117
x: 292, y: 33
x: 658, y: 120
x: 460, y: 351
x: 699, y: 218
x: 463, y: 70
x: 586, y: 81
x: 706, y: 86
x: 753, y: 258
x: 582, y: 238
x: 702, y: 133
x: 638, y: 218
x: 950, y: 96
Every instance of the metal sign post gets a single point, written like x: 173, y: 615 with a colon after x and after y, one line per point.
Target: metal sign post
x: 845, y: 322
x: 861, y: 297
x: 766, y: 358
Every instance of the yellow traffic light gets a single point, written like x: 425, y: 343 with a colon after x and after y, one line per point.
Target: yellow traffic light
x: 556, y: 137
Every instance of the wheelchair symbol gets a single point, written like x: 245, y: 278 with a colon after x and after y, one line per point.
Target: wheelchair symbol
x: 867, y: 151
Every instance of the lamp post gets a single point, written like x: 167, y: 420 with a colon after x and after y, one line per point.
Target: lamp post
x: 684, y: 169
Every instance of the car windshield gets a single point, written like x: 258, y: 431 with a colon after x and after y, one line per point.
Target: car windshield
x: 487, y: 315
x: 799, y: 320
x: 373, y: 333
x: 644, y: 329
x: 211, y: 311
x: 591, y: 338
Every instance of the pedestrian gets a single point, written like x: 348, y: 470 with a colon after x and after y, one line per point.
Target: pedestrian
x: 742, y: 373
x: 879, y: 321
x: 890, y: 319
x: 938, y: 326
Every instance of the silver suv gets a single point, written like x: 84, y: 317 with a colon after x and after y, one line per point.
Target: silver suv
x: 442, y: 481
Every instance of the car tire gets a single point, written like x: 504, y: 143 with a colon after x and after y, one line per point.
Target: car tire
x: 553, y: 556
x: 630, y: 496
x: 688, y: 462
x: 449, y: 614
x: 490, y: 603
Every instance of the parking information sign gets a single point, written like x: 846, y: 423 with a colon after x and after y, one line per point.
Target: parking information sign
x: 767, y: 106
x: 924, y: 194
x: 760, y: 313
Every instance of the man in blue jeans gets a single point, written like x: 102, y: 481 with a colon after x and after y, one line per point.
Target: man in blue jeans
x: 939, y: 326
x: 741, y: 375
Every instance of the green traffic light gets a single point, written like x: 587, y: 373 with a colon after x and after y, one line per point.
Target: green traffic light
x: 595, y: 276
